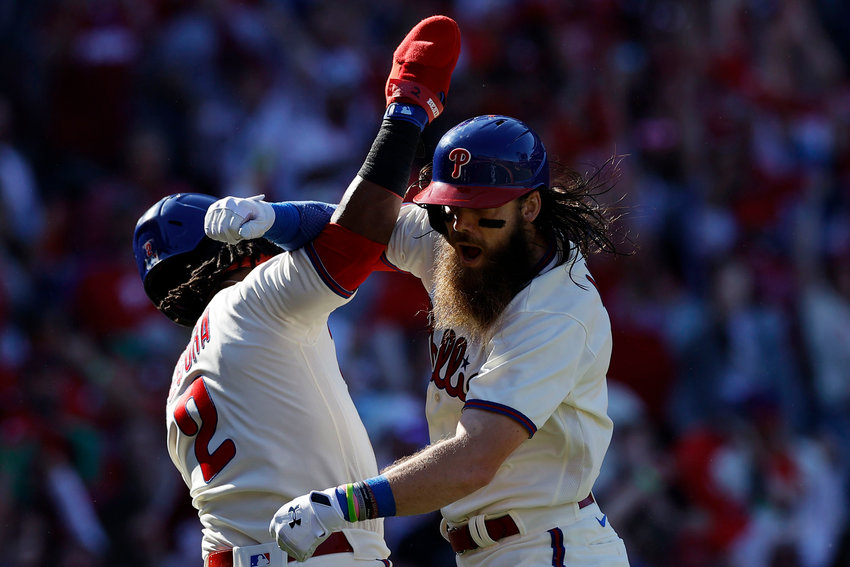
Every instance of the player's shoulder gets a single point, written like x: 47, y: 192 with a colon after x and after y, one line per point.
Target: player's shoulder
x: 558, y: 303
x: 266, y: 287
x: 412, y: 245
x: 567, y: 288
x: 413, y: 214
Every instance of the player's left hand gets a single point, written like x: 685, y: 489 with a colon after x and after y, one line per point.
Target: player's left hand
x: 300, y: 525
x: 233, y: 219
x: 423, y: 64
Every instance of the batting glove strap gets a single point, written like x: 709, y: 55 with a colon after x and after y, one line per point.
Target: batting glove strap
x: 407, y: 112
x: 302, y: 524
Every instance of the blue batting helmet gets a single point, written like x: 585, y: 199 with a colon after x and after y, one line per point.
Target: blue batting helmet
x: 167, y: 234
x: 485, y: 162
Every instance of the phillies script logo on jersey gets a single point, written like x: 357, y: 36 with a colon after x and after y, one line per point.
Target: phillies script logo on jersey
x: 449, y: 362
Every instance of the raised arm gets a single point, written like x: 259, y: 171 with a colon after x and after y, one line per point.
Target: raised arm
x: 415, y: 93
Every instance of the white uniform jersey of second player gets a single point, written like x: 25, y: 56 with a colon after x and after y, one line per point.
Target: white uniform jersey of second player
x: 258, y: 412
x: 545, y: 367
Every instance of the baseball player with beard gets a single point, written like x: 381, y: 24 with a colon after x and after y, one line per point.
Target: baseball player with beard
x: 521, y: 343
x: 258, y: 412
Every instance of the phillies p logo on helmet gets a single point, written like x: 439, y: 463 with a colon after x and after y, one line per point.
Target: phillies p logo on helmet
x: 460, y: 157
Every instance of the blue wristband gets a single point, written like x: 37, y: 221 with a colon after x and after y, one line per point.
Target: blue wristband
x: 408, y: 112
x: 298, y: 222
x: 366, y: 500
x: 286, y: 223
x: 383, y: 493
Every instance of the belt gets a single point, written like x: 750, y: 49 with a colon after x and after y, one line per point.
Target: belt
x: 336, y: 543
x: 498, y: 528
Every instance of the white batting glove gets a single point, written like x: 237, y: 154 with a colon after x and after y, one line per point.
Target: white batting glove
x: 300, y: 525
x: 233, y: 219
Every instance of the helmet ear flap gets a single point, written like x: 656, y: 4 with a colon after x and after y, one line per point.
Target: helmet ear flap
x: 437, y: 218
x: 174, y: 272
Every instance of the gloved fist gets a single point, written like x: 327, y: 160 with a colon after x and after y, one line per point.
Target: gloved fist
x: 233, y: 219
x: 423, y: 64
x: 300, y: 525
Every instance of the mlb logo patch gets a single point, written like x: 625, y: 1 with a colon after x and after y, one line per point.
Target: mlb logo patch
x: 261, y: 559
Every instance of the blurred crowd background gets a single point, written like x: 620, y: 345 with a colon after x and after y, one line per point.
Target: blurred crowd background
x: 730, y: 376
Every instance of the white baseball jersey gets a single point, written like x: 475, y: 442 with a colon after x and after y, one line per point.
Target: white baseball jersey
x: 258, y: 412
x: 545, y: 367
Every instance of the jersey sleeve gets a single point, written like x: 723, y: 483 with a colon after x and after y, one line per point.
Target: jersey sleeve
x: 344, y: 258
x: 411, y: 247
x: 535, y: 363
x: 306, y: 285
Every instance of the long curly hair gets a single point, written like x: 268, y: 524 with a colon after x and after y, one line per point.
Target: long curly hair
x: 572, y: 213
x: 207, y: 267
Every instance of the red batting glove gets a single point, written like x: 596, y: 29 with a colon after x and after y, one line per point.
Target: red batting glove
x: 423, y: 64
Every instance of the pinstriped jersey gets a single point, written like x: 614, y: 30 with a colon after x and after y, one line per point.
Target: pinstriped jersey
x: 258, y: 412
x: 545, y: 367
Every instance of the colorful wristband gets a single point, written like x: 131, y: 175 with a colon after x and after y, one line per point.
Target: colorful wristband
x: 366, y: 500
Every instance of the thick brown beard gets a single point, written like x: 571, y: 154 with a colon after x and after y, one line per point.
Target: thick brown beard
x: 470, y: 300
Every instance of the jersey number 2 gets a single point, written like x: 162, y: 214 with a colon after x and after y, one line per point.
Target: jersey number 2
x: 211, y: 462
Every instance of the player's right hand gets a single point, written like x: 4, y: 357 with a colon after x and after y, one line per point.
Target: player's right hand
x: 300, y: 525
x: 233, y: 219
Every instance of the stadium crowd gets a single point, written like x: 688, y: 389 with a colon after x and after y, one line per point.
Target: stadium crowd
x: 730, y: 377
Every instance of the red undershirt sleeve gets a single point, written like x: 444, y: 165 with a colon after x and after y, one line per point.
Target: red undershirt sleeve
x: 348, y: 257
